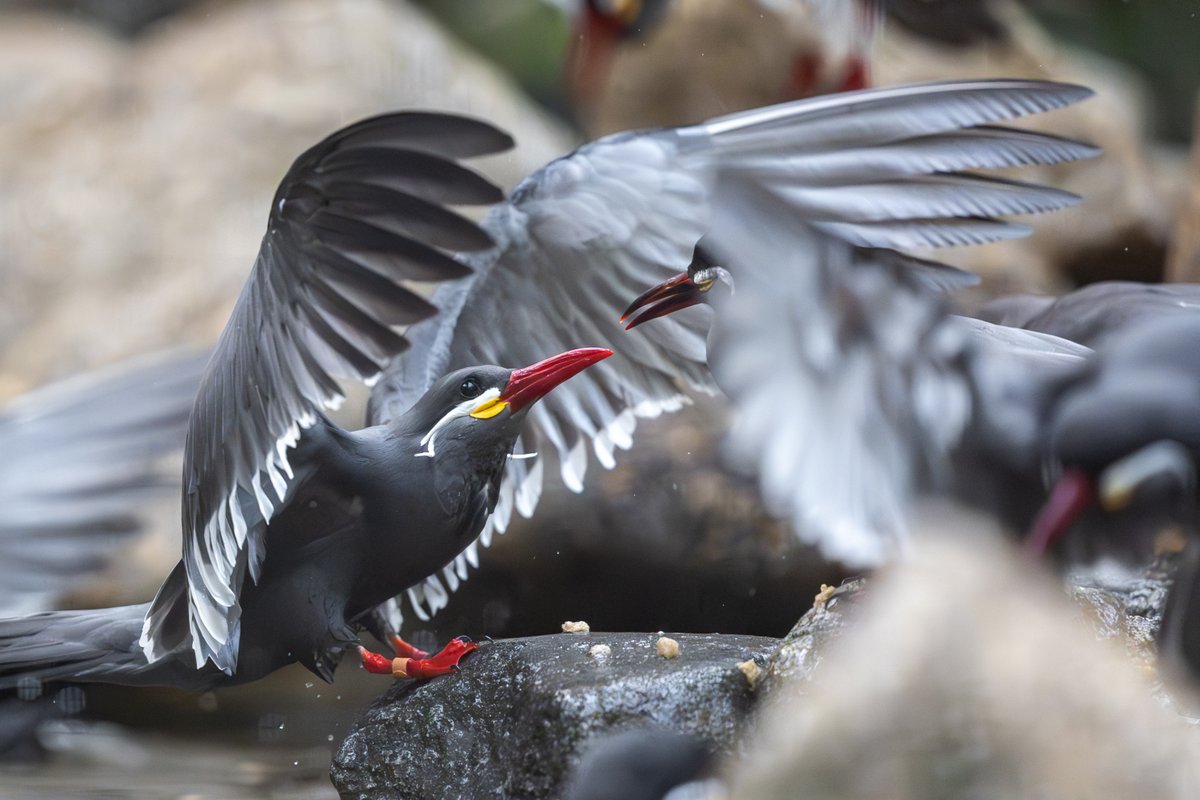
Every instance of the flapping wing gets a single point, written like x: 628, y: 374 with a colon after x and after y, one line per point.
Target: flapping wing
x: 81, y: 460
x: 355, y: 216
x: 847, y: 377
x: 852, y: 383
x: 588, y: 233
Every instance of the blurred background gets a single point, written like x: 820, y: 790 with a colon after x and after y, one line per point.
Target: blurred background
x: 142, y: 142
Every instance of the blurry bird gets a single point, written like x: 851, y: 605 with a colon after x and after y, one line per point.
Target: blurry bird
x: 83, y: 458
x: 553, y: 264
x: 642, y: 765
x: 294, y: 528
x: 856, y: 388
x: 1089, y: 314
x: 632, y: 63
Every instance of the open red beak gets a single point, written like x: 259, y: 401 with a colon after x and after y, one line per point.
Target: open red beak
x: 1073, y: 493
x: 530, y: 384
x: 666, y: 298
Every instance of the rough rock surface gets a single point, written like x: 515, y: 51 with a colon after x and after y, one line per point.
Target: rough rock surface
x: 806, y: 645
x: 513, y: 721
x: 967, y: 674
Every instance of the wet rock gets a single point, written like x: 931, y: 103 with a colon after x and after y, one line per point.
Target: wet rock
x: 968, y: 674
x: 514, y: 720
x: 807, y: 643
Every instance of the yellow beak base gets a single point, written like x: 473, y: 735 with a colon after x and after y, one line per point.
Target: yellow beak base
x: 489, y: 408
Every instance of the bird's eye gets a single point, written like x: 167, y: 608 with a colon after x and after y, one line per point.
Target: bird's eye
x: 470, y: 387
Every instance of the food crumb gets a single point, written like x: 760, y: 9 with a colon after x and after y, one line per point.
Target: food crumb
x: 823, y: 596
x: 752, y: 671
x: 600, y: 651
x: 576, y: 627
x: 667, y: 647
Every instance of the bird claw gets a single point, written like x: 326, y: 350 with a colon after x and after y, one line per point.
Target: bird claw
x: 443, y: 663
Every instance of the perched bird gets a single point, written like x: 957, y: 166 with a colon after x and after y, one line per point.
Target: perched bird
x: 632, y: 63
x: 83, y: 458
x: 293, y: 528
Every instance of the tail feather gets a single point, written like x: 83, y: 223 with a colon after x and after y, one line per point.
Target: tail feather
x: 95, y: 646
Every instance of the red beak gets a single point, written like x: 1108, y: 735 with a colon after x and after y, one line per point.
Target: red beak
x: 1073, y: 493
x: 666, y: 298
x: 530, y: 384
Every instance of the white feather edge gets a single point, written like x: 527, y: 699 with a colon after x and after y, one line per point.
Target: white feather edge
x: 433, y: 594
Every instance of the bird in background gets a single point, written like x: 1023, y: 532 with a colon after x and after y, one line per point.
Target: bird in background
x: 631, y: 63
x: 294, y: 530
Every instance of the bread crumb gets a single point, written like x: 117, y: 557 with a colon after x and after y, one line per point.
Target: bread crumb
x: 667, y: 647
x: 576, y: 627
x: 752, y: 671
x: 600, y: 651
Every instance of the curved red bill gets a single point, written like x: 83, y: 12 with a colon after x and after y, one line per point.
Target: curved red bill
x: 530, y: 384
x: 1073, y: 493
x: 666, y: 298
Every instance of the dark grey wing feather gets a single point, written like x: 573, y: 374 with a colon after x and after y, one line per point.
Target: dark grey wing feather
x: 355, y: 216
x: 1093, y: 313
x: 586, y: 234
x: 81, y: 460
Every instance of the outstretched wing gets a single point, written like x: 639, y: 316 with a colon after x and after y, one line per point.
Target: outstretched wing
x: 852, y: 381
x: 355, y: 215
x: 81, y: 460
x: 586, y: 234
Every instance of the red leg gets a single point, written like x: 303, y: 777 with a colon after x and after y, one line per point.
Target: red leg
x: 402, y: 667
x: 405, y: 650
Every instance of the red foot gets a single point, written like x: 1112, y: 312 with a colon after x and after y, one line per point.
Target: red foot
x: 403, y: 649
x: 405, y: 667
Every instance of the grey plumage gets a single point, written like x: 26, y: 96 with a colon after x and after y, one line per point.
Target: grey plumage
x: 856, y: 387
x: 586, y: 233
x: 276, y: 499
x: 82, y: 459
x: 1089, y: 314
x: 355, y: 215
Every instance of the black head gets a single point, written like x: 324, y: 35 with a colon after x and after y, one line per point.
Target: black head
x: 488, y: 402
